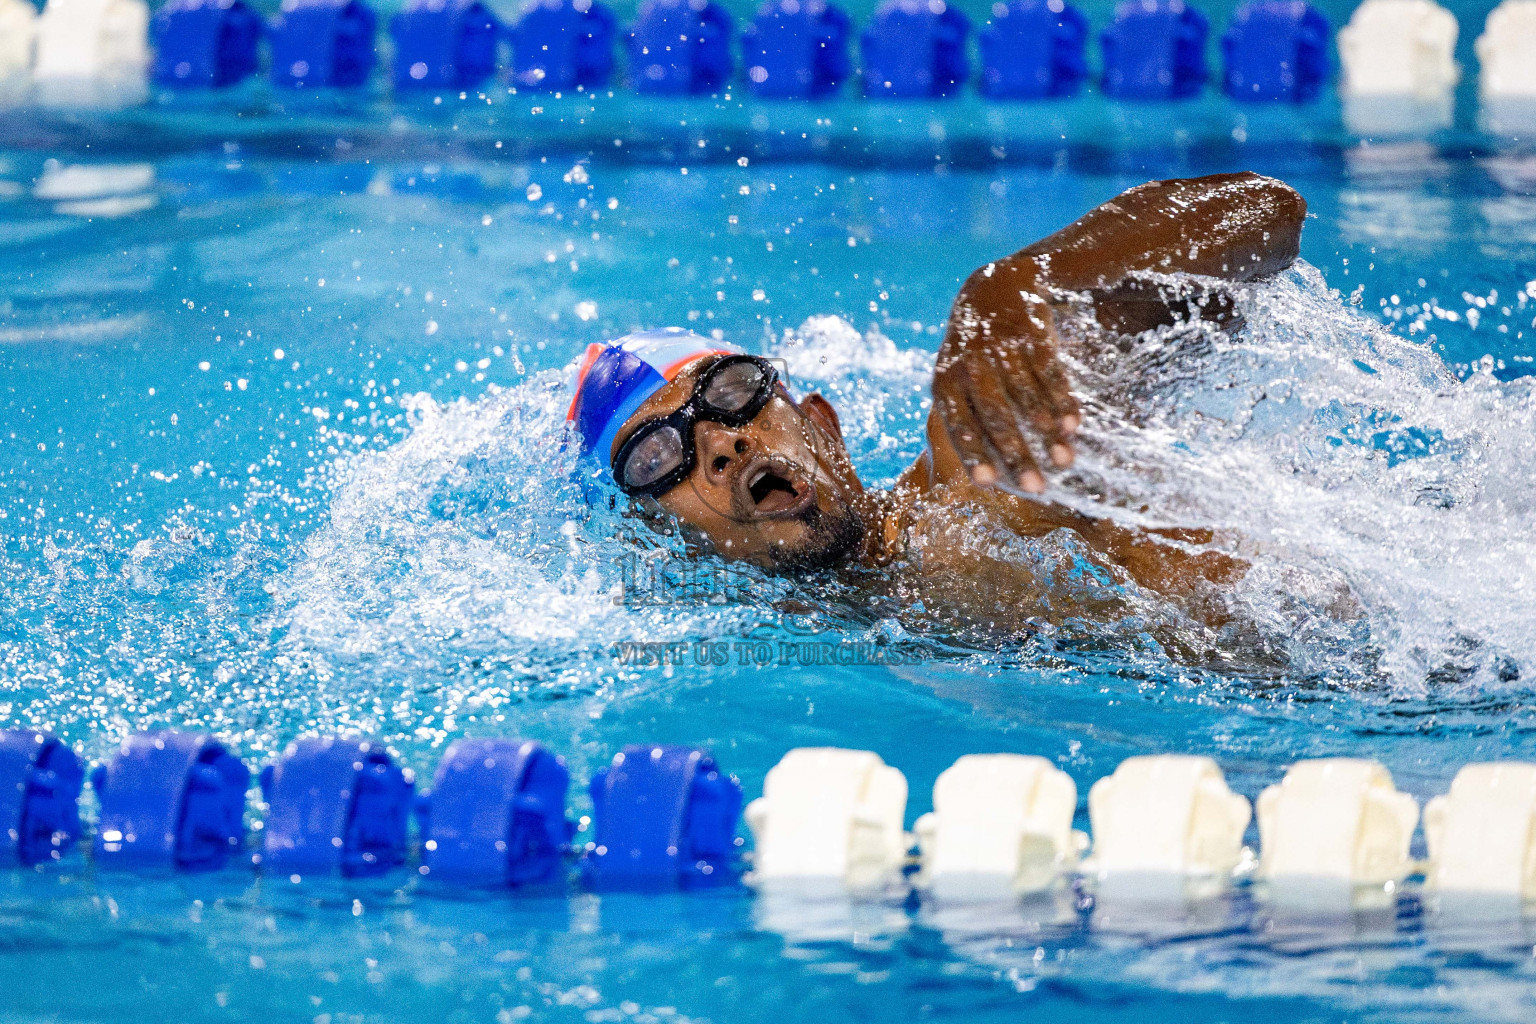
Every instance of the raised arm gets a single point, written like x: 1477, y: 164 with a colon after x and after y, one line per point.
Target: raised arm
x: 1235, y: 226
x: 999, y: 387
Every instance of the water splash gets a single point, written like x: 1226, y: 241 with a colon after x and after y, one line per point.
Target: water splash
x: 880, y: 390
x: 1350, y: 466
x: 469, y: 554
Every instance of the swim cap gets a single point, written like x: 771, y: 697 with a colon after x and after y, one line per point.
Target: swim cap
x: 615, y: 379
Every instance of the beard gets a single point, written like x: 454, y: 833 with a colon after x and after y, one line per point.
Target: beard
x: 832, y: 537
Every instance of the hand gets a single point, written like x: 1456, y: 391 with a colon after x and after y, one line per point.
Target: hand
x: 1000, y: 390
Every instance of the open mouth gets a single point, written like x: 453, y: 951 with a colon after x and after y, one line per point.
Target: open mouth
x: 773, y: 489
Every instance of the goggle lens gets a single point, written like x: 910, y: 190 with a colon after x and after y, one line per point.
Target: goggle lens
x: 732, y: 388
x: 658, y: 453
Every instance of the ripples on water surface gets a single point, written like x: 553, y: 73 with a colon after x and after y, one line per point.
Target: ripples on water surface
x: 280, y: 455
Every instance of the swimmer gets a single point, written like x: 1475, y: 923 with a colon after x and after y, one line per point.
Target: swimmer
x: 708, y: 439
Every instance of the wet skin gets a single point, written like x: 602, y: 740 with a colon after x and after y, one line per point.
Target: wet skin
x: 781, y: 491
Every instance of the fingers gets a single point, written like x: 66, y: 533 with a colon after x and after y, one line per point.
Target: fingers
x: 1040, y: 393
x: 1003, y: 399
x: 961, y: 425
x: 1017, y: 381
x: 1001, y: 424
x: 1025, y: 354
x: 1065, y: 415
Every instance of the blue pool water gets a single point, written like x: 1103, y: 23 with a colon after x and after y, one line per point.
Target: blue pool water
x: 279, y: 455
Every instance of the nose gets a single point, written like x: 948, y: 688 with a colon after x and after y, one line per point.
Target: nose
x: 719, y: 448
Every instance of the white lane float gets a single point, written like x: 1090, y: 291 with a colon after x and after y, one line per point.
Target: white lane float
x: 1170, y: 815
x: 1001, y: 823
x: 92, y: 51
x: 1398, y: 48
x: 18, y: 31
x: 1506, y: 51
x: 830, y: 814
x: 1482, y: 834
x: 1335, y: 823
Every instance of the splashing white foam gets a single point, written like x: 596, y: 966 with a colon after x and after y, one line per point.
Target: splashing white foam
x: 469, y: 547
x: 1332, y: 454
x: 880, y: 391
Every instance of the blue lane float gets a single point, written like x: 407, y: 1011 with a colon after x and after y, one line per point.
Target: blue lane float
x: 680, y: 48
x: 322, y: 44
x: 170, y: 800
x: 564, y: 45
x: 1033, y: 49
x: 444, y: 44
x: 205, y: 44
x: 663, y: 817
x: 1275, y: 51
x: 1155, y: 50
x: 796, y: 50
x: 335, y: 806
x: 915, y: 49
x: 40, y: 782
x: 495, y: 815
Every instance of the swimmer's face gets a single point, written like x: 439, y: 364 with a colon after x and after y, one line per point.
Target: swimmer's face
x: 778, y: 491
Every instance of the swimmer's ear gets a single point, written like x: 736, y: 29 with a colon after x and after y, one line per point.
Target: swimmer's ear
x: 820, y: 412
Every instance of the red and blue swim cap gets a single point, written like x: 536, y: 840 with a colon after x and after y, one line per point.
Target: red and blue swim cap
x: 614, y: 379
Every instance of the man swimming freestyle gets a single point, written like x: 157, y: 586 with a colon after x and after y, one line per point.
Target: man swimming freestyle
x: 710, y: 440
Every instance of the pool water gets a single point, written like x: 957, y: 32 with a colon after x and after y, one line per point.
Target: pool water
x: 280, y: 455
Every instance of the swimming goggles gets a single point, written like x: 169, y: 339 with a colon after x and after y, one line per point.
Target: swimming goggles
x: 658, y: 456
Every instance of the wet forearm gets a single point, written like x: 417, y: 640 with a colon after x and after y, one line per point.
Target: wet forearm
x: 1001, y: 395
x: 1235, y: 226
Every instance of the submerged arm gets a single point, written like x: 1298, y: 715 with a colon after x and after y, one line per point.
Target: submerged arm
x: 999, y: 386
